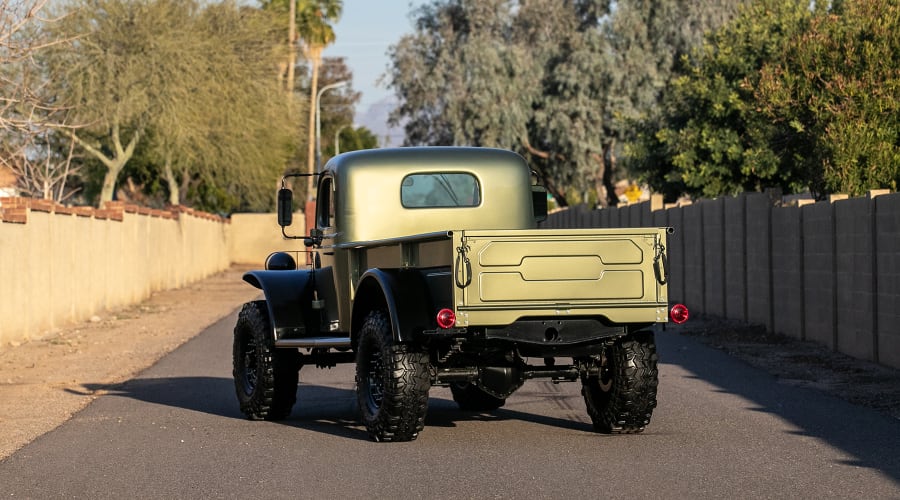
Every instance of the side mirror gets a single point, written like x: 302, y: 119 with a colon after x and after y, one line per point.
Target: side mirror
x: 539, y: 202
x: 285, y: 207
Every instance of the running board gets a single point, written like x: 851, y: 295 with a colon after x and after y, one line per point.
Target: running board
x: 314, y: 342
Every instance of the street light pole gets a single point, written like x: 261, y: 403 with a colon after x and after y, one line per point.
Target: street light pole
x: 319, y: 120
x: 337, y: 139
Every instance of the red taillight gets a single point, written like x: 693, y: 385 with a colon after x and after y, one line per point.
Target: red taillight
x: 446, y: 318
x: 679, y: 314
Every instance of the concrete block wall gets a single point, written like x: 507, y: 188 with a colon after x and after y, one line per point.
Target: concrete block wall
x: 817, y: 233
x: 828, y: 272
x: 758, y: 248
x: 887, y: 302
x: 735, y: 258
x: 714, y: 256
x: 854, y: 272
x: 691, y: 231
x: 787, y: 272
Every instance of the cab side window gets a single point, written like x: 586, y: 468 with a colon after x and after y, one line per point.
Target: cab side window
x: 325, y: 204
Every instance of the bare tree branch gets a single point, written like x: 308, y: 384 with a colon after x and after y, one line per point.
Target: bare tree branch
x: 27, y: 116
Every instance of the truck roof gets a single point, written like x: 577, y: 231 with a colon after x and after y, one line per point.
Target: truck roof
x: 369, y: 205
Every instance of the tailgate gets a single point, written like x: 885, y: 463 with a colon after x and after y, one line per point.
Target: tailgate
x: 505, y: 275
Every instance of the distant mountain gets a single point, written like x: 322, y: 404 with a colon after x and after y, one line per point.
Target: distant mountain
x: 375, y: 119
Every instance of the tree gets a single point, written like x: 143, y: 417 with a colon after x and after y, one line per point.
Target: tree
x: 788, y: 96
x: 566, y: 114
x: 353, y: 139
x: 43, y: 167
x: 709, y: 138
x: 234, y: 129
x: 833, y: 95
x: 473, y: 73
x: 194, y: 83
x: 574, y: 116
x: 19, y: 97
x: 651, y: 40
x: 555, y: 81
x: 124, y: 64
x: 27, y: 113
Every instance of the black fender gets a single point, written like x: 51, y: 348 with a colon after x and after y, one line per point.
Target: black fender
x: 289, y: 296
x: 403, y: 294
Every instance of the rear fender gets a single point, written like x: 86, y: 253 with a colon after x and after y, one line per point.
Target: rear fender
x: 289, y: 296
x: 402, y: 294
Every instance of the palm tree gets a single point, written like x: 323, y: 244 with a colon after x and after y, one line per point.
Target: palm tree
x: 311, y: 24
x: 313, y: 18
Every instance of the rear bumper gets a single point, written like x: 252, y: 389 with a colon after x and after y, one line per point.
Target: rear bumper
x: 543, y: 337
x: 555, y: 331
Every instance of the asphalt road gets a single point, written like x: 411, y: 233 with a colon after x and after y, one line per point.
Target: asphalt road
x: 722, y: 430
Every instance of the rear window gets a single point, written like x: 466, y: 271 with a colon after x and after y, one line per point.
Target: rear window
x: 445, y: 189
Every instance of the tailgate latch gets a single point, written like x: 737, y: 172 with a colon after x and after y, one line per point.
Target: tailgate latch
x: 463, y: 265
x: 661, y: 263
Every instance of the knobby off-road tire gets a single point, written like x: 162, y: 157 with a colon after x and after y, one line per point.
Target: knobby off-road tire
x: 392, y: 383
x: 621, y: 400
x: 265, y: 378
x: 470, y: 397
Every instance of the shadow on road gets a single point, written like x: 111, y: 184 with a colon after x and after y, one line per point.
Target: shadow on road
x: 873, y: 439
x: 201, y: 394
x: 324, y: 409
x: 445, y: 413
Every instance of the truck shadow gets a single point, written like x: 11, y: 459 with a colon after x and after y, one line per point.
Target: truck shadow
x: 319, y: 408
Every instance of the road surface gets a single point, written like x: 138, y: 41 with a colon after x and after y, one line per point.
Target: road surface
x: 722, y: 430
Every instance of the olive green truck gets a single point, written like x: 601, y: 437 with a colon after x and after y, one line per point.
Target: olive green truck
x: 426, y: 267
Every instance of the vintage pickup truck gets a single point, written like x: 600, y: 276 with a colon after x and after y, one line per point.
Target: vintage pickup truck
x: 427, y: 268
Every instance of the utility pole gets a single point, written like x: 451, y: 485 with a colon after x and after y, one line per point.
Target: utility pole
x: 292, y: 46
x: 314, y: 54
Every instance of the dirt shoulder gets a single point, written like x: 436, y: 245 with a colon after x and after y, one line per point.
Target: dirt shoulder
x: 44, y: 382
x: 804, y: 364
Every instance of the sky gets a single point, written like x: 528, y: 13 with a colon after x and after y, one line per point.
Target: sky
x: 365, y: 31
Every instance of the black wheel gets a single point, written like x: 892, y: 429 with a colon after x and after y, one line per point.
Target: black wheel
x: 392, y: 383
x: 470, y: 397
x: 622, y: 398
x: 265, y: 378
